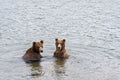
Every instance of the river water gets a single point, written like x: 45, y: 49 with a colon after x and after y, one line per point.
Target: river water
x: 91, y: 29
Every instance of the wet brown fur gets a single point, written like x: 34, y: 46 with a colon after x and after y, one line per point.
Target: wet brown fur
x: 60, y: 53
x: 33, y: 53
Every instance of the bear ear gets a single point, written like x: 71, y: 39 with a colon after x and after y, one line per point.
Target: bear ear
x: 34, y: 43
x: 56, y: 39
x: 41, y: 41
x: 63, y: 40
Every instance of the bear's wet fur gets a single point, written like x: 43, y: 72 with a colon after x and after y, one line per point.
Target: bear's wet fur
x: 60, y: 51
x: 33, y: 53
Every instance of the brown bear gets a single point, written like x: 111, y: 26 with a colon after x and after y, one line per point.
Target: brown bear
x: 33, y: 53
x: 60, y: 49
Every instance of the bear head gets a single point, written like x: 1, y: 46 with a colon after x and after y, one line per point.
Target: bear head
x: 60, y: 44
x: 38, y: 46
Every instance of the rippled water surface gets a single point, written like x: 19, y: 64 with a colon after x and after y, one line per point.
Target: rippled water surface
x: 91, y: 29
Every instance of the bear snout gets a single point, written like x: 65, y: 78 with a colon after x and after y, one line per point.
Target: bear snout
x: 41, y: 49
x: 59, y: 46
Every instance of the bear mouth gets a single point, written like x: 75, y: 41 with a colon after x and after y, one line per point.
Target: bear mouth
x: 59, y: 49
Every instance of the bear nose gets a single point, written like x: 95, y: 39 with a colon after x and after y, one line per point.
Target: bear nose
x: 41, y: 51
x: 58, y: 47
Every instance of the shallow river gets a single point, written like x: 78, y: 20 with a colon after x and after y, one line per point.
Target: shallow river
x: 91, y: 29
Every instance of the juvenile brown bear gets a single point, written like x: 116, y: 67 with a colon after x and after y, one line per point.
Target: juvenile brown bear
x: 33, y: 53
x: 60, y: 49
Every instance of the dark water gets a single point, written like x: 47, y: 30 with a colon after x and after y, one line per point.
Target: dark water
x: 91, y: 29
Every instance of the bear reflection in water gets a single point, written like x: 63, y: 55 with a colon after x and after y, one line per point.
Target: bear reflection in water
x: 59, y: 68
x: 36, y: 69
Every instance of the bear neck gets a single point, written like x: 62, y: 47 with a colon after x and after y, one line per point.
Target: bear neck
x: 35, y: 50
